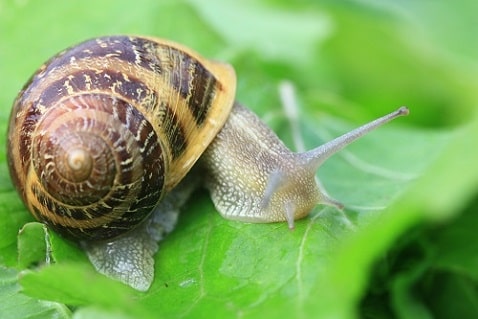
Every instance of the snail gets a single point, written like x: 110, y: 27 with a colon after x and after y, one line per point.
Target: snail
x: 104, y: 130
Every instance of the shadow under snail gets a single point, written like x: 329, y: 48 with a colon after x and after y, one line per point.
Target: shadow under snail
x: 105, y: 129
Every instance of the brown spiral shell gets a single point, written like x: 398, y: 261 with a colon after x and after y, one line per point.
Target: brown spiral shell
x: 104, y: 129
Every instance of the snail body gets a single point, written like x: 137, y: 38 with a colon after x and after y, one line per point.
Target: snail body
x: 105, y: 129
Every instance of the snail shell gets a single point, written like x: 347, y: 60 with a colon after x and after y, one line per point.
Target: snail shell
x: 104, y: 129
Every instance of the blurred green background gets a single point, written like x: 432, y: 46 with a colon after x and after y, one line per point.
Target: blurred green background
x: 405, y: 246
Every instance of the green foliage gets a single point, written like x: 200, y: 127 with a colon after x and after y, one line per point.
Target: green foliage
x: 404, y: 246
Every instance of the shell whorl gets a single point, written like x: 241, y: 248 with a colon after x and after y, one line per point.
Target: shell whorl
x: 105, y: 128
x: 87, y: 162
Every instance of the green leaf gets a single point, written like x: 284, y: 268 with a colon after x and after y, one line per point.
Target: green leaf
x: 33, y: 245
x: 303, y: 30
x: 14, y: 304
x: 12, y: 216
x: 350, y: 62
x: 455, y: 253
x: 452, y: 295
x: 74, y: 284
x: 37, y: 246
x: 92, y: 312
